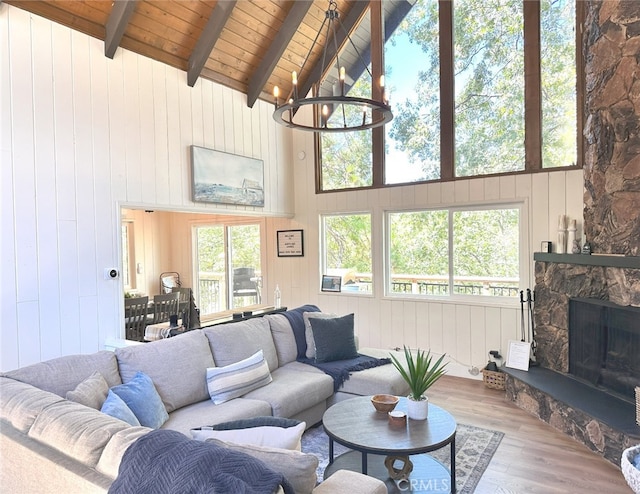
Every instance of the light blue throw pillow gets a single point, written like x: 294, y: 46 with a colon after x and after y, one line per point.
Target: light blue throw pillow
x: 143, y: 399
x: 117, y: 408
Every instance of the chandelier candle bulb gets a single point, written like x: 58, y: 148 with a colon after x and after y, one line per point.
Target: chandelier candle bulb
x: 334, y: 89
x: 276, y: 93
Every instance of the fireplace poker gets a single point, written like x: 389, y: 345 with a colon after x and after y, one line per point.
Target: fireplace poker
x: 531, y: 298
x: 522, y: 315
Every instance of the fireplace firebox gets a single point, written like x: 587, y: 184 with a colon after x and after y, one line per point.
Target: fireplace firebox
x: 604, y: 345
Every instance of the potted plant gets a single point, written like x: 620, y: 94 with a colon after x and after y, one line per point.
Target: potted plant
x: 420, y: 374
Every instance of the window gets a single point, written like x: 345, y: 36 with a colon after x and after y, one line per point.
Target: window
x: 558, y: 73
x: 228, y: 267
x: 128, y: 256
x: 473, y: 93
x: 346, y: 242
x: 456, y: 251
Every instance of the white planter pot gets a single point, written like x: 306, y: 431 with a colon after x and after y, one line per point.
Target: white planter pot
x: 418, y: 410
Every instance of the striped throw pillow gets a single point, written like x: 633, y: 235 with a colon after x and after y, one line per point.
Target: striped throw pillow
x: 235, y: 380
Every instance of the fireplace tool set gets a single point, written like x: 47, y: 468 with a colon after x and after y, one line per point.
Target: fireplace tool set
x: 530, y: 334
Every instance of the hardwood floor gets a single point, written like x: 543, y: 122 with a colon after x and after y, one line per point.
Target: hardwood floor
x: 533, y: 457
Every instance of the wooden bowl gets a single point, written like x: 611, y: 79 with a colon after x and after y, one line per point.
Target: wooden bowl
x: 384, y: 403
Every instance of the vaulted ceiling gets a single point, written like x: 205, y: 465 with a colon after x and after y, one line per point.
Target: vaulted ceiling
x: 248, y: 45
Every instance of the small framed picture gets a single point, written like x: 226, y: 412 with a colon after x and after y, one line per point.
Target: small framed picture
x: 290, y: 243
x: 545, y: 246
x: 331, y: 283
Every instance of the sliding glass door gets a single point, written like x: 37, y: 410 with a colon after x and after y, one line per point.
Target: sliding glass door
x: 228, y: 268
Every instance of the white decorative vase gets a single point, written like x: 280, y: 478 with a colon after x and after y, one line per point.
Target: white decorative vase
x: 418, y: 410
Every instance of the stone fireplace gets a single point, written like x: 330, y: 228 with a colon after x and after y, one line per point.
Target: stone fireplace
x: 611, y: 48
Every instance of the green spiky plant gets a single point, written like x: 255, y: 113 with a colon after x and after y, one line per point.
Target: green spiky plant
x: 419, y: 373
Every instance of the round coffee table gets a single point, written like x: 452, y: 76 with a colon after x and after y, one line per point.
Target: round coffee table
x: 354, y: 423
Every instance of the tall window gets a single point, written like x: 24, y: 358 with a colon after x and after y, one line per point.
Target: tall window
x: 461, y: 76
x: 558, y: 73
x: 457, y: 251
x: 228, y: 272
x: 346, y: 240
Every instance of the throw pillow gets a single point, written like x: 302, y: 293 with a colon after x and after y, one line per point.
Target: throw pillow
x: 91, y: 392
x: 143, y: 399
x: 334, y: 338
x: 273, y: 437
x: 308, y: 332
x: 262, y: 421
x: 297, y: 467
x: 116, y: 407
x: 235, y: 380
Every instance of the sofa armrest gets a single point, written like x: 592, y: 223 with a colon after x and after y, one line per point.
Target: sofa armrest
x: 346, y: 481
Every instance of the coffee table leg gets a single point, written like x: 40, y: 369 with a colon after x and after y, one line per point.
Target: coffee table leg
x: 453, y: 465
x: 330, y: 450
x: 364, y: 463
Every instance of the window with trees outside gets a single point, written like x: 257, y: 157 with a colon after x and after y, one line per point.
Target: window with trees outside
x: 228, y: 267
x: 346, y: 252
x: 477, y: 87
x: 454, y: 251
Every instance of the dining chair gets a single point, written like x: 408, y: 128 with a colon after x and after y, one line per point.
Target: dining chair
x: 184, y: 307
x: 135, y: 317
x: 165, y: 305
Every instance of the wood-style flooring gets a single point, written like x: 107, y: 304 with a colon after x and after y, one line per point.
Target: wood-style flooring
x: 533, y: 457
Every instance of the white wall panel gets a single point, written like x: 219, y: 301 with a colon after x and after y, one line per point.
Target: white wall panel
x: 82, y: 135
x: 8, y: 308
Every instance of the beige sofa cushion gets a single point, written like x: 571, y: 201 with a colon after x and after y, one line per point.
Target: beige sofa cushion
x: 69, y: 371
x: 177, y: 366
x: 298, y: 468
x: 206, y: 413
x: 351, y: 482
x: 112, y: 454
x: 384, y: 379
x: 292, y: 391
x: 308, y: 332
x: 91, y: 392
x: 21, y: 403
x: 283, y: 338
x: 76, y: 430
x: 238, y: 341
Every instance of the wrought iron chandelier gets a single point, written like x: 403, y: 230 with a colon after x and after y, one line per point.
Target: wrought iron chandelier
x: 353, y: 113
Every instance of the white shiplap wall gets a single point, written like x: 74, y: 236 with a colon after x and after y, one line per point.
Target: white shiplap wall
x: 465, y: 331
x: 82, y: 135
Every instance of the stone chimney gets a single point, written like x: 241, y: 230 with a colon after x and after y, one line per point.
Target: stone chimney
x: 612, y: 129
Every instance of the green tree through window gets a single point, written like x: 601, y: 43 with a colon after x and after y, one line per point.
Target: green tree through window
x: 486, y: 81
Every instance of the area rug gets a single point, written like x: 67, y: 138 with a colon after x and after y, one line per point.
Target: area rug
x: 474, y: 449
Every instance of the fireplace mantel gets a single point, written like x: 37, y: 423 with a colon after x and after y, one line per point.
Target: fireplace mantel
x: 626, y: 262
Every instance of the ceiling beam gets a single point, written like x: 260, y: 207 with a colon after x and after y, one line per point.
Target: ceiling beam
x: 117, y: 24
x: 276, y: 49
x: 348, y: 23
x: 208, y: 38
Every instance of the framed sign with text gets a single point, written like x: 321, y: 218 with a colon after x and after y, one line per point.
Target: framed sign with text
x: 290, y: 243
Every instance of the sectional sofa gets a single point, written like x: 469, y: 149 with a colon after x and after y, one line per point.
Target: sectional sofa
x: 51, y: 444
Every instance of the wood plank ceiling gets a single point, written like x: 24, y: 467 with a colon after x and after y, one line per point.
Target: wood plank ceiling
x: 248, y: 45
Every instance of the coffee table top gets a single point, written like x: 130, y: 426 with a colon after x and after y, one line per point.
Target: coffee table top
x: 355, y: 424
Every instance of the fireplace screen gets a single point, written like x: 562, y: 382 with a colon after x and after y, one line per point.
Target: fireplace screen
x: 604, y: 344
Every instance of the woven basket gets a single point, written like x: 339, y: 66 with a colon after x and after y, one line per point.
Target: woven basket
x: 630, y: 472
x: 638, y: 405
x: 492, y: 379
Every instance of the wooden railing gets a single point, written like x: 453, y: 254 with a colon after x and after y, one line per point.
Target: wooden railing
x: 439, y: 285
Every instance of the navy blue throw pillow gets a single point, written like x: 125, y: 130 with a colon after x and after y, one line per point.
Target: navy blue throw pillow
x: 334, y: 338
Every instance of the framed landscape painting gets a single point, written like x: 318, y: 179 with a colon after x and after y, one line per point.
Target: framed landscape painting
x: 226, y: 178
